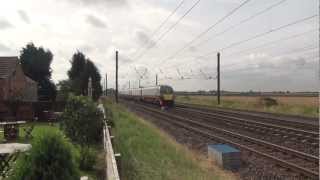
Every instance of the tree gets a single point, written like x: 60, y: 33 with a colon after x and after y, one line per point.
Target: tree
x: 93, y: 72
x: 35, y: 62
x: 81, y: 70
x: 64, y: 88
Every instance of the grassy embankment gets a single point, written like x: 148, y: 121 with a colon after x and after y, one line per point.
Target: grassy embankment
x: 148, y: 153
x: 303, y: 106
x: 42, y: 128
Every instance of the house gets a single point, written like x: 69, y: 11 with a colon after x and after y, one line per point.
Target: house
x: 15, y: 86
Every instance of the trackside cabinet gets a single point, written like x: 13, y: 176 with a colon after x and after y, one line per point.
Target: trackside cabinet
x: 225, y: 156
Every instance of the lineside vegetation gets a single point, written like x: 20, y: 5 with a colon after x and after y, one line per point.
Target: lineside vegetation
x: 147, y: 153
x: 302, y: 106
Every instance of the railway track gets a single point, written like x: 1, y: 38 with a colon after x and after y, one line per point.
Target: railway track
x: 302, y: 140
x: 303, y: 163
x: 303, y: 123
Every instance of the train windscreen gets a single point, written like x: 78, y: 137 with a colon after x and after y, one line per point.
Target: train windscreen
x: 166, y: 90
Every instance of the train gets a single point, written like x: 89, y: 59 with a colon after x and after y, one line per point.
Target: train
x: 162, y: 95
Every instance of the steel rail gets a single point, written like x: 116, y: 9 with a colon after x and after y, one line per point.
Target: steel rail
x: 251, y: 114
x: 311, y: 135
x: 284, y: 163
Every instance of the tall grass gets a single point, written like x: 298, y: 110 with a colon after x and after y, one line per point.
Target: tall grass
x: 146, y: 153
x: 285, y: 104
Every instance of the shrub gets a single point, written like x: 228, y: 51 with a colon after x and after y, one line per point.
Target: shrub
x: 50, y: 157
x: 268, y: 101
x: 87, y: 158
x: 82, y: 121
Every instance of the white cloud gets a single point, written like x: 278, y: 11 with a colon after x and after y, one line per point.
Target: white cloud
x: 24, y: 16
x: 100, y: 27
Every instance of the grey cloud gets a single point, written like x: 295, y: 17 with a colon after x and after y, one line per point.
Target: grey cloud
x: 4, y: 24
x: 193, y: 49
x: 125, y: 59
x: 24, y: 16
x: 298, y: 62
x: 143, y: 38
x: 96, y: 22
x: 108, y: 3
x: 86, y: 48
x: 4, y: 48
x: 265, y: 64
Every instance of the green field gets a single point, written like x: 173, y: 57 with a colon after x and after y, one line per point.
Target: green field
x: 302, y: 106
x: 148, y: 153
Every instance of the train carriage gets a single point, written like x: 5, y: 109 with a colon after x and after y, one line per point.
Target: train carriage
x: 162, y: 95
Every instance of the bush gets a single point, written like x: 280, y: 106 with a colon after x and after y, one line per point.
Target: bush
x: 50, y: 157
x: 87, y: 158
x: 82, y: 121
x: 268, y: 101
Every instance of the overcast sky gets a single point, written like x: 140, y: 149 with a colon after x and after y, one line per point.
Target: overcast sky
x: 283, y: 59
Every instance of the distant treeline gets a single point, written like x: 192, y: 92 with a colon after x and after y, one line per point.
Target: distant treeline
x: 249, y: 93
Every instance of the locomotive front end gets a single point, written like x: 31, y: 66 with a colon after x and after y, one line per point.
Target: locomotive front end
x: 166, y: 96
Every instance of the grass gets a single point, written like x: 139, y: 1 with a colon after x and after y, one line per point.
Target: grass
x: 39, y: 128
x: 42, y: 128
x: 302, y: 106
x: 147, y: 153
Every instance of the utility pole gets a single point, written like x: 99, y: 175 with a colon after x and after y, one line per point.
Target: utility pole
x: 218, y: 77
x: 129, y: 84
x: 139, y: 83
x: 90, y: 87
x: 116, y: 76
x: 106, y: 84
x: 156, y: 79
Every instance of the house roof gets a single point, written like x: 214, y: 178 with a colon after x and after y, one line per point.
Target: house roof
x: 29, y: 80
x: 7, y: 65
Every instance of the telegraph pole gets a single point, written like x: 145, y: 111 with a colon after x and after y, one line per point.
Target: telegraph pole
x: 139, y: 83
x: 129, y: 84
x: 218, y: 77
x: 156, y: 79
x: 106, y: 84
x: 116, y: 76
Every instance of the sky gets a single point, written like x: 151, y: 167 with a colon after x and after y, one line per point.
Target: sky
x: 264, y: 45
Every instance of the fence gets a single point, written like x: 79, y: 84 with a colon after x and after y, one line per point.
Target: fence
x: 110, y: 158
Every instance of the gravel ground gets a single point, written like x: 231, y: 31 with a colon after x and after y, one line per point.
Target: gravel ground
x: 253, y: 167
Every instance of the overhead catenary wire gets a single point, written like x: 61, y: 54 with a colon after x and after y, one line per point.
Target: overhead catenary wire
x: 169, y: 29
x: 260, y: 46
x: 256, y: 36
x: 163, y: 23
x: 243, y: 21
x: 272, y: 42
x: 224, y: 31
x: 287, y: 53
x: 261, y: 35
x: 255, y: 66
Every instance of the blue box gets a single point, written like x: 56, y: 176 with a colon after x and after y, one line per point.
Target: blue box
x: 225, y: 156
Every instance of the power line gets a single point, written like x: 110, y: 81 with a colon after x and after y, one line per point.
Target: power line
x: 163, y: 23
x: 257, y: 36
x: 271, y: 42
x: 226, y: 30
x: 295, y: 51
x: 257, y: 67
x: 261, y: 34
x: 169, y: 29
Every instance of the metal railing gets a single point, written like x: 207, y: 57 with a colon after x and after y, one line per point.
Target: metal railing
x: 112, y: 172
